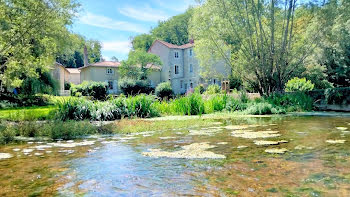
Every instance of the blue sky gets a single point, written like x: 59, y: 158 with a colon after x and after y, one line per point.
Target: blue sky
x: 113, y: 22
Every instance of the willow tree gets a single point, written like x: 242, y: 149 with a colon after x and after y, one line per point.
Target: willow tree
x: 267, y: 39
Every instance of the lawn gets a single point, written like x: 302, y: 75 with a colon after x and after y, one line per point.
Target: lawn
x: 28, y: 113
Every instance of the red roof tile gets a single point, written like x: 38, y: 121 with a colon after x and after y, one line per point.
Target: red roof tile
x: 104, y: 64
x: 172, y: 46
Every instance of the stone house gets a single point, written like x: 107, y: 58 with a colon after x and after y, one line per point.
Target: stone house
x: 108, y: 71
x: 181, y: 67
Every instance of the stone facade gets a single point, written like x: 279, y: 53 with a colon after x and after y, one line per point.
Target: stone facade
x: 181, y: 67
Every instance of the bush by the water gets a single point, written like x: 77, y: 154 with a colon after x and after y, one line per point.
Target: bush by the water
x: 97, y: 90
x: 263, y: 108
x: 299, y: 84
x: 294, y: 101
x: 134, y: 87
x: 112, y: 109
x: 164, y: 90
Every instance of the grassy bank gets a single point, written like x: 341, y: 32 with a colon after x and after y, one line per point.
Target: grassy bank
x: 28, y: 113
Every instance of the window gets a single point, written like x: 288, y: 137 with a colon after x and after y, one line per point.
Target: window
x: 214, y: 81
x: 176, y: 54
x: 110, y: 85
x: 191, y: 68
x: 191, y: 85
x: 176, y: 69
x: 181, y: 84
x: 191, y: 52
x: 109, y: 71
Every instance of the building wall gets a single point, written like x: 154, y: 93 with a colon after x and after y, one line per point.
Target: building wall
x: 74, y: 78
x: 94, y: 73
x: 163, y: 52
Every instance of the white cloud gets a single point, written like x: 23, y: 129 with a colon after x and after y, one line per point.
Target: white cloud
x: 178, y: 6
x: 144, y: 14
x: 119, y: 47
x: 105, y: 22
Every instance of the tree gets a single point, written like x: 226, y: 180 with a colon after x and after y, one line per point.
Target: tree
x: 266, y: 39
x: 142, y: 42
x: 31, y: 32
x: 137, y: 65
x: 173, y: 30
x: 115, y: 59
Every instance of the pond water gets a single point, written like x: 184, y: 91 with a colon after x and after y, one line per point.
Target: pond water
x: 269, y: 156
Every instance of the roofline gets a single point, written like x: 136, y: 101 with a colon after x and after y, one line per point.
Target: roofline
x: 161, y: 42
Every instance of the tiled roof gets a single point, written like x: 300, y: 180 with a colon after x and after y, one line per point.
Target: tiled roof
x: 172, y: 46
x: 152, y: 66
x: 104, y: 64
x: 73, y: 70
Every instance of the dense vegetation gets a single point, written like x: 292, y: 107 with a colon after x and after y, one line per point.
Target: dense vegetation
x: 97, y: 90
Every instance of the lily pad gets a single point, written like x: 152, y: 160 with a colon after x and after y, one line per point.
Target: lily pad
x: 276, y: 150
x: 192, y: 151
x: 254, y: 135
x: 336, y: 141
x: 5, y: 155
x: 265, y: 143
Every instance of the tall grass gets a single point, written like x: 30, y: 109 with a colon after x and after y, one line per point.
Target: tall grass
x: 112, y: 109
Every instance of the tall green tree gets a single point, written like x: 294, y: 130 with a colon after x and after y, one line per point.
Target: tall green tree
x: 174, y: 30
x: 71, y: 54
x: 137, y: 65
x: 31, y: 32
x: 266, y: 39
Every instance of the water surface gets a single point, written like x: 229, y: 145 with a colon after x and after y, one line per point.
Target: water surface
x: 122, y: 165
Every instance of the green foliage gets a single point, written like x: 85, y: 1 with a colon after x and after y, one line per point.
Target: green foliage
x: 113, y: 109
x: 67, y: 86
x: 268, y: 42
x: 295, y: 101
x: 297, y: 84
x: 263, y: 109
x: 97, y: 90
x: 133, y: 87
x: 7, y: 135
x: 233, y: 104
x: 173, y: 30
x: 31, y: 32
x: 199, y: 89
x: 213, y: 89
x: 338, y: 96
x: 192, y: 104
x: 67, y: 130
x: 142, y: 42
x: 71, y: 54
x: 164, y: 90
x: 138, y: 64
x: 215, y: 103
x: 45, y: 84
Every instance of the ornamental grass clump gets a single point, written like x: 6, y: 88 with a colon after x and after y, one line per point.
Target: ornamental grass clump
x: 215, y: 103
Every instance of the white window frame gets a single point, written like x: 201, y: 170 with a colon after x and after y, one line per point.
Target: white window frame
x: 191, y: 68
x: 176, y: 69
x: 109, y: 71
x: 176, y: 54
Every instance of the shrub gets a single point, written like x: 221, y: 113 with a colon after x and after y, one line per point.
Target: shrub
x: 199, y: 89
x: 215, y: 103
x: 97, y: 90
x: 213, y: 89
x: 67, y: 130
x: 294, y: 101
x: 188, y: 105
x: 235, y: 105
x: 337, y: 96
x: 263, y: 108
x: 115, y: 108
x: 164, y: 90
x: 133, y: 87
x: 7, y: 135
x: 67, y: 85
x: 297, y: 84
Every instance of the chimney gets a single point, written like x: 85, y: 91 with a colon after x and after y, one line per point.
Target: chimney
x: 86, y: 61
